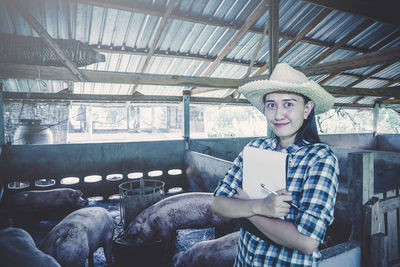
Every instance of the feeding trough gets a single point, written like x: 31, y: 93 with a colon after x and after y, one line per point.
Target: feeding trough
x: 135, y: 196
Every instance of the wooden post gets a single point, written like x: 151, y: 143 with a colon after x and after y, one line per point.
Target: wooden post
x: 360, y: 175
x: 273, y: 34
x: 2, y: 137
x: 371, y: 226
x: 379, y: 247
x: 186, y: 118
x: 393, y: 228
x: 376, y: 118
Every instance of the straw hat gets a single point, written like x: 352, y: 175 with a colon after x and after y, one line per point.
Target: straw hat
x: 285, y: 78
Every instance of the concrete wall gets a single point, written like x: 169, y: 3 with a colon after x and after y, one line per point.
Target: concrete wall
x: 203, y: 172
x: 229, y: 148
x: 33, y: 162
x: 388, y: 142
x: 223, y: 148
x: 359, y: 140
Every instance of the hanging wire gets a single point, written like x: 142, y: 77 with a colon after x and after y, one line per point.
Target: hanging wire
x: 42, y: 83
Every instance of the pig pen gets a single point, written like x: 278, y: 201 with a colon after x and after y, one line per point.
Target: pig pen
x: 180, y: 169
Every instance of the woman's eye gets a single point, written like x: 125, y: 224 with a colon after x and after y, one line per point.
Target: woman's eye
x: 288, y: 104
x: 270, y: 105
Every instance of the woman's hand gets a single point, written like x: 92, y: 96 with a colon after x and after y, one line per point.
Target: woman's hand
x: 274, y: 206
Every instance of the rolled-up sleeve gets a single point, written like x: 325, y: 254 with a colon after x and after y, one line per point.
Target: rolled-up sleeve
x: 232, y: 180
x: 318, y: 198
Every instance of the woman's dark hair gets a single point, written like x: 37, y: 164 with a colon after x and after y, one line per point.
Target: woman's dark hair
x: 308, y: 131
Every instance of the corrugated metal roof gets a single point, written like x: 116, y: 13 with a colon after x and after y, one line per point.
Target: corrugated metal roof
x: 192, y: 38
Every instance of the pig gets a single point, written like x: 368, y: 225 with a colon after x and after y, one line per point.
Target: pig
x: 161, y: 220
x: 78, y: 236
x: 17, y: 249
x: 220, y: 252
x: 39, y: 201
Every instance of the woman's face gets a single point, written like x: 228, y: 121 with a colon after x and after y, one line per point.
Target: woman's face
x: 285, y: 113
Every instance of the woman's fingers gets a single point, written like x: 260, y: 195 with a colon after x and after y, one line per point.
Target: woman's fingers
x: 283, y: 191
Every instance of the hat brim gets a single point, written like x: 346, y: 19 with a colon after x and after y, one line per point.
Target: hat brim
x: 256, y: 90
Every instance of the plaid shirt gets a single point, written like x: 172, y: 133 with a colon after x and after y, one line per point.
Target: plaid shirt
x: 312, y: 179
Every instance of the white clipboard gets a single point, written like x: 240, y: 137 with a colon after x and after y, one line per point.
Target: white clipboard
x: 262, y: 166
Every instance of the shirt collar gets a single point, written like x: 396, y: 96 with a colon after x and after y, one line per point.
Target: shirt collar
x: 291, y: 149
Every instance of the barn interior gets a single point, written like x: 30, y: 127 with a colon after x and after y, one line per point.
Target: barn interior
x: 96, y: 94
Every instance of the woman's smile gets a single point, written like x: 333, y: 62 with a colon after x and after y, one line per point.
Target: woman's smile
x: 285, y: 113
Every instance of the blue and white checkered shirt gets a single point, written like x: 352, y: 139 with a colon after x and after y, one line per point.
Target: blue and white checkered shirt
x: 312, y: 179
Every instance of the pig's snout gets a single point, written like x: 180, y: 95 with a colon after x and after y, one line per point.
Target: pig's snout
x: 82, y: 202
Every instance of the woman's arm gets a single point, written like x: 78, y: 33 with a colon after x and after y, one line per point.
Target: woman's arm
x: 284, y: 233
x: 264, y: 214
x: 241, y: 206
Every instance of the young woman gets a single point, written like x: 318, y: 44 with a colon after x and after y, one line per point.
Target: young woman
x: 289, y: 101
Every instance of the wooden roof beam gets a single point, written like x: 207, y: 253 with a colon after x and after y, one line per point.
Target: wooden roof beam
x: 253, y: 59
x: 249, y: 22
x: 21, y: 71
x: 63, y: 74
x: 339, y: 44
x: 17, y: 96
x: 157, y: 37
x: 297, y: 38
x: 364, y: 25
x: 305, y: 31
x: 201, y: 20
x: 45, y: 36
x: 393, y: 91
x: 387, y: 56
x: 380, y: 10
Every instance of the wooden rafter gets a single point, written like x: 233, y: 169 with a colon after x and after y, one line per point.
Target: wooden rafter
x: 378, y: 46
x: 63, y: 74
x: 397, y: 80
x: 305, y: 31
x: 352, y: 91
x: 253, y: 59
x: 386, y: 40
x: 299, y: 37
x: 369, y: 75
x: 157, y: 37
x: 10, y: 96
x: 364, y: 25
x: 249, y: 22
x: 260, y: 9
x: 387, y: 56
x: 202, y: 20
x: 41, y: 31
x: 379, y: 10
x: 330, y: 77
x: 390, y: 102
x: 22, y: 71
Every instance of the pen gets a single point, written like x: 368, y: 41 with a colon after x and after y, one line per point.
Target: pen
x: 263, y: 186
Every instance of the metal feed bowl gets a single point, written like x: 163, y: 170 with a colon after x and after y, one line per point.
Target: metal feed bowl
x: 137, y: 195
